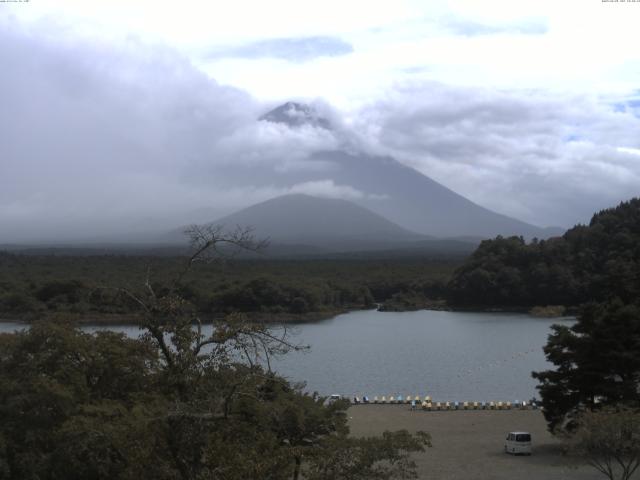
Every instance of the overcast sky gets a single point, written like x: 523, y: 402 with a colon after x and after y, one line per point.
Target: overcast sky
x: 117, y: 115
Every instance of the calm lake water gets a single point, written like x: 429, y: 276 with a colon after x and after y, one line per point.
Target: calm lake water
x: 448, y: 355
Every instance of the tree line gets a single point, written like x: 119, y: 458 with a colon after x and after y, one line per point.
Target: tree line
x: 595, y: 262
x: 36, y: 286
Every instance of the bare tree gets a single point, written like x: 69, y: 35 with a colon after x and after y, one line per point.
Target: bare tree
x: 610, y: 441
x: 176, y: 327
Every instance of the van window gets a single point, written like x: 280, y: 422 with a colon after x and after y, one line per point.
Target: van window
x: 523, y: 437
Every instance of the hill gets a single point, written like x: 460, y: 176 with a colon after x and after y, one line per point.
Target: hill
x: 597, y: 262
x: 320, y: 222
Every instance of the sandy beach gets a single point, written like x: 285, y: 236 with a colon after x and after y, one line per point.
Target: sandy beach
x: 469, y: 445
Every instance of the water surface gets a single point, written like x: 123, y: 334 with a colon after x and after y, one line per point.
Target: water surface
x: 448, y: 355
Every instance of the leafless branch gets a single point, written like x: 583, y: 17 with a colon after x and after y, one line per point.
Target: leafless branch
x: 147, y: 283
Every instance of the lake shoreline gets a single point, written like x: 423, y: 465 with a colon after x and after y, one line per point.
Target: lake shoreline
x: 288, y: 318
x: 131, y: 319
x: 551, y: 311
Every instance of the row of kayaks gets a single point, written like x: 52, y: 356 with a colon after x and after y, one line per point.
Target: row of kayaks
x: 426, y: 403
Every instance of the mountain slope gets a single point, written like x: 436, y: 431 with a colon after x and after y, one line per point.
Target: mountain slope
x: 417, y: 202
x: 331, y: 223
x: 395, y: 191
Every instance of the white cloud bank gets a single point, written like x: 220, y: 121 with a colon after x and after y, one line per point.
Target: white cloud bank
x: 544, y: 158
x: 110, y: 131
x: 329, y: 189
x: 99, y: 138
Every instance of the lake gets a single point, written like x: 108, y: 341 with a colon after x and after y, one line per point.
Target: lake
x: 448, y: 355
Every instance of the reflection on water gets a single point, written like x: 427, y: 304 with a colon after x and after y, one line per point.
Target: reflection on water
x: 448, y: 355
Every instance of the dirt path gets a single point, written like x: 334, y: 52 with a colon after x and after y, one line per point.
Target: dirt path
x: 468, y: 445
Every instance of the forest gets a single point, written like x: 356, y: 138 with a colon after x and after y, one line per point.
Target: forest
x: 33, y: 286
x: 174, y: 403
x: 594, y: 262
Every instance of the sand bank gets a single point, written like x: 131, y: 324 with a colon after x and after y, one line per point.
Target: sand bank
x: 468, y: 445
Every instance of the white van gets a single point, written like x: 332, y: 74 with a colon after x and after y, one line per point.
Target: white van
x: 518, y: 443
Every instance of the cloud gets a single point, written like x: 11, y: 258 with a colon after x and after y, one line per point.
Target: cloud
x: 630, y: 104
x: 101, y: 138
x: 329, y: 189
x: 95, y: 137
x: 299, y: 49
x: 269, y: 143
x: 630, y: 151
x: 471, y: 28
x: 541, y: 157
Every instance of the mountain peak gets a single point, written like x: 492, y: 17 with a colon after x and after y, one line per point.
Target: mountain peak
x: 296, y: 114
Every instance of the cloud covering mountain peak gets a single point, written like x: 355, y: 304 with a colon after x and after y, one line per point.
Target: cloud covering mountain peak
x: 102, y: 136
x: 294, y: 114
